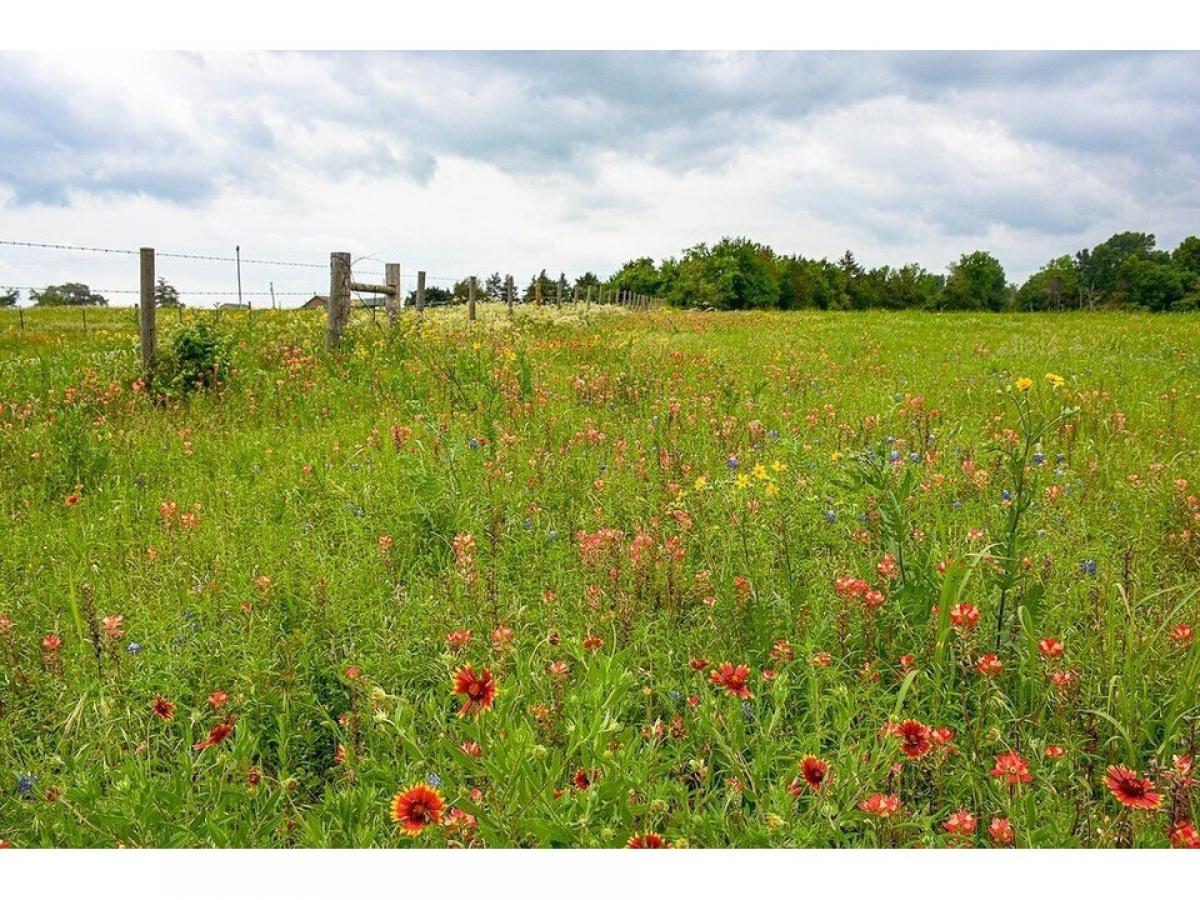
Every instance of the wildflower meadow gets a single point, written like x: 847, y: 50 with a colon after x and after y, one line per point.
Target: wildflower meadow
x: 595, y: 577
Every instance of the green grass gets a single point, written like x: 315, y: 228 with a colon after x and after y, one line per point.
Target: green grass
x: 344, y: 478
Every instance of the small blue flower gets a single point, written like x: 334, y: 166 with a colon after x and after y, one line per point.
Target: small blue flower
x: 894, y: 456
x: 551, y: 535
x: 830, y: 516
x: 731, y: 463
x: 914, y: 457
x: 1039, y: 459
x: 473, y: 443
x: 1060, y: 457
x: 1005, y: 495
x: 957, y: 504
x: 676, y: 696
x: 889, y: 440
x: 747, y: 711
x: 773, y: 434
x: 1088, y: 567
x: 434, y: 780
x: 134, y: 647
x: 25, y: 785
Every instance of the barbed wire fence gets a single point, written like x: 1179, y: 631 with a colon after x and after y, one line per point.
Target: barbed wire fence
x: 348, y: 278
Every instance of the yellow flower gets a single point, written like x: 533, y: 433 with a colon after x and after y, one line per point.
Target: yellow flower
x: 772, y: 488
x: 701, y: 483
x: 760, y: 471
x: 741, y: 481
x: 1055, y: 380
x: 1023, y: 384
x: 778, y: 467
x: 836, y: 455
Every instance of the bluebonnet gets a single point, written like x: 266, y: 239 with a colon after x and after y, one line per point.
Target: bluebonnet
x: 894, y: 456
x: 134, y: 647
x: 731, y: 463
x: 434, y: 780
x: 552, y: 535
x: 1039, y: 458
x: 830, y: 516
x: 747, y: 711
x: 914, y: 457
x: 25, y: 784
x: 1005, y: 495
x: 473, y: 443
x: 773, y: 434
x: 889, y: 440
x: 1088, y: 567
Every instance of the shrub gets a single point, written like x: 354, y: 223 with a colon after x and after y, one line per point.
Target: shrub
x: 198, y: 359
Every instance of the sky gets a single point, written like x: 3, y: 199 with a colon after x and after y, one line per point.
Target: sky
x: 468, y: 163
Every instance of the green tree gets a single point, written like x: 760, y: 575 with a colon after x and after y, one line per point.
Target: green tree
x: 165, y: 294
x: 1186, y: 256
x: 9, y: 297
x: 1099, y: 267
x: 1155, y: 285
x: 976, y: 282
x: 1053, y: 287
x: 70, y: 294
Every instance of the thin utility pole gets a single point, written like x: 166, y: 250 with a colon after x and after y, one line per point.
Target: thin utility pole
x: 238, y: 251
x: 272, y: 294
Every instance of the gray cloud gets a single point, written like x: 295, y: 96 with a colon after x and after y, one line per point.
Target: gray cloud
x: 952, y: 144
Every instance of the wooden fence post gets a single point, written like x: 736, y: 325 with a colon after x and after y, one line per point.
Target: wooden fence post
x: 420, y: 292
x: 537, y: 293
x: 339, y: 297
x: 558, y: 293
x: 391, y: 278
x: 471, y: 300
x: 508, y: 294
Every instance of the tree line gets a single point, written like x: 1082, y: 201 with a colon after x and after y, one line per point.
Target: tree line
x: 737, y: 273
x: 1127, y: 270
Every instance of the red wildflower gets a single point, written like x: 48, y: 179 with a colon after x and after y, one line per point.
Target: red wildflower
x: 914, y: 738
x: 591, y: 642
x: 650, y: 840
x: 471, y: 748
x: 559, y: 669
x: 162, y: 707
x: 1131, y: 789
x: 942, y: 735
x: 782, y: 651
x: 964, y: 617
x: 700, y: 662
x: 417, y: 808
x: 51, y: 642
x: 1185, y: 836
x: 814, y: 771
x: 458, y: 639
x: 1001, y: 832
x: 217, y: 699
x: 216, y: 734
x: 882, y: 805
x: 1012, y: 767
x: 583, y: 779
x: 732, y: 678
x: 480, y: 690
x: 1054, y: 751
x: 1050, y: 647
x: 989, y: 664
x: 962, y: 822
x: 1182, y: 633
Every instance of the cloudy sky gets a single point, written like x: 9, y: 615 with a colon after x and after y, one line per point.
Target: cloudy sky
x: 461, y: 163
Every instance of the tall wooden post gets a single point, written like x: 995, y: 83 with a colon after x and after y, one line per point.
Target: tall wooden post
x: 508, y: 294
x: 537, y: 292
x: 391, y: 277
x: 420, y: 292
x: 588, y: 300
x: 558, y: 293
x: 339, y: 298
x: 471, y: 300
x: 149, y: 333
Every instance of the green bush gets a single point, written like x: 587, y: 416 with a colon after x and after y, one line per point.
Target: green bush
x: 198, y: 359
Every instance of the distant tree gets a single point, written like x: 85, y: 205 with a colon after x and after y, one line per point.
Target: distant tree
x: 1186, y: 257
x: 165, y: 294
x: 586, y: 281
x: 1149, y: 283
x: 640, y: 276
x: 494, y: 286
x: 434, y: 296
x: 547, y: 285
x: 1053, y: 287
x: 9, y: 297
x: 1099, y: 267
x: 976, y: 282
x: 912, y: 287
x: 69, y: 294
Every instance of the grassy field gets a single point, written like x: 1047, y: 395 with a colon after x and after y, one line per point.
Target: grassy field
x: 956, y: 555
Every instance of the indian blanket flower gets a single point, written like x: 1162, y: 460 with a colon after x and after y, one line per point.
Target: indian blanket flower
x: 1131, y: 789
x: 417, y: 808
x: 1185, y: 836
x: 217, y: 734
x: 583, y: 779
x: 559, y: 669
x: 881, y: 805
x: 162, y: 707
x: 814, y: 771
x: 732, y: 678
x: 915, y: 738
x: 649, y: 840
x: 479, y: 689
x: 1012, y: 768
